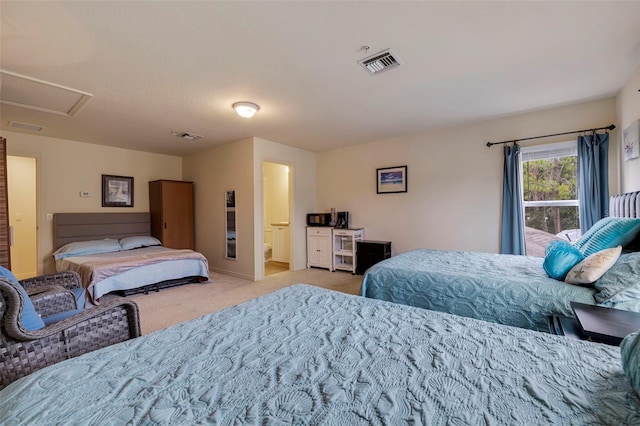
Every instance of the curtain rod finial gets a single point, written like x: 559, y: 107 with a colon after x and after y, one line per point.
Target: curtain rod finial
x: 611, y: 127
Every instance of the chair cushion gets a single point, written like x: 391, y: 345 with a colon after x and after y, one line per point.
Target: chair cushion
x: 30, y: 318
x: 60, y: 316
x: 79, y: 294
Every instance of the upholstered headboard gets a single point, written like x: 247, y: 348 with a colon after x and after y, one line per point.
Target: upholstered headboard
x: 625, y: 205
x: 69, y: 227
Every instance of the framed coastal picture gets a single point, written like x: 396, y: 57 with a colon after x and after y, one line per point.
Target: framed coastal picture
x: 391, y: 179
x: 117, y: 191
x: 631, y: 141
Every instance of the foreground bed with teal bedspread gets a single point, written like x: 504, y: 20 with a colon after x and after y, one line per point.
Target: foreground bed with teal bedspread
x: 507, y: 289
x: 305, y: 355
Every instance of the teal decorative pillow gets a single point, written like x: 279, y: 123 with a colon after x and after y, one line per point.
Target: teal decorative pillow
x: 560, y: 257
x: 630, y: 357
x: 621, y: 283
x: 586, y: 237
x: 593, y: 267
x: 30, y: 318
x: 616, y: 231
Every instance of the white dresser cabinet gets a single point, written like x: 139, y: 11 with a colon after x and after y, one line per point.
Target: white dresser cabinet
x: 319, y: 252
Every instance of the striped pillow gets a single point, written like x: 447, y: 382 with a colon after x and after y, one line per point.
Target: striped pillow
x: 591, y: 232
x: 608, y: 233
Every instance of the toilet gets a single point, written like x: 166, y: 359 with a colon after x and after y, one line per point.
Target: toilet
x: 267, y: 251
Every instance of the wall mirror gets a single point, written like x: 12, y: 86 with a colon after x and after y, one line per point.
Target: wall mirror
x: 230, y: 214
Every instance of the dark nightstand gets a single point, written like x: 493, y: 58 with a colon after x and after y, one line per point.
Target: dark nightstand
x: 596, y: 323
x: 369, y: 252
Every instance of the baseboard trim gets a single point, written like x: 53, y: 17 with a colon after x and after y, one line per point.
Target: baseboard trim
x: 233, y: 274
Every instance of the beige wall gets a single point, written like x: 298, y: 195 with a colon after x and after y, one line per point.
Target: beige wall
x: 238, y: 166
x: 302, y: 182
x: 454, y: 180
x: 628, y: 104
x: 215, y: 171
x: 65, y: 168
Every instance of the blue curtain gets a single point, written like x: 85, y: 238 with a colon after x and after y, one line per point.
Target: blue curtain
x: 593, y: 178
x: 512, y: 238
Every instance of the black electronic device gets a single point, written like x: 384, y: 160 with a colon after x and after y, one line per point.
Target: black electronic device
x: 342, y: 220
x: 605, y: 324
x: 319, y: 219
x: 370, y: 252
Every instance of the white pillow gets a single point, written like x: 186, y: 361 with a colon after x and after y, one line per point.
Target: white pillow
x: 83, y: 248
x: 593, y: 267
x: 129, y: 243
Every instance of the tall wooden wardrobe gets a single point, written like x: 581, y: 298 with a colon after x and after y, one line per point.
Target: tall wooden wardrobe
x: 172, y: 216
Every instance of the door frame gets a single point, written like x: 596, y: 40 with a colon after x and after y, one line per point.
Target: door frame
x: 259, y: 273
x: 40, y: 218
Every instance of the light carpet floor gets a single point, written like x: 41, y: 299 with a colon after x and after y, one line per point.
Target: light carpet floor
x: 178, y: 304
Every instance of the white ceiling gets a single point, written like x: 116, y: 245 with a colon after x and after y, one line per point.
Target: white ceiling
x: 158, y: 67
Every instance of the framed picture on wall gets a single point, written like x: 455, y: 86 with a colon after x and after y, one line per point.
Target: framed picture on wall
x: 391, y: 179
x: 117, y: 191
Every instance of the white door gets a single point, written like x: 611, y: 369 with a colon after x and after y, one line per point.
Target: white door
x: 21, y: 184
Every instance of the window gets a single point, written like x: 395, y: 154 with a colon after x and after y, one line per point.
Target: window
x: 549, y: 194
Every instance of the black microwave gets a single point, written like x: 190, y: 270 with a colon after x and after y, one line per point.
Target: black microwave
x: 319, y: 219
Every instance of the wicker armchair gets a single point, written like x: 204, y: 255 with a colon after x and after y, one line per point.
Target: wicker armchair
x: 23, y: 352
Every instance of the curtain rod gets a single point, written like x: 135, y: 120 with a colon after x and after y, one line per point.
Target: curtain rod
x: 609, y: 127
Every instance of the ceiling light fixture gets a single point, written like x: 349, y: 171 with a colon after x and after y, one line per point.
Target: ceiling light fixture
x: 246, y: 109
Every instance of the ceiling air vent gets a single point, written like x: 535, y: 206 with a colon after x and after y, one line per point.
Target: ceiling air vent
x: 25, y: 126
x: 187, y: 135
x: 380, y: 62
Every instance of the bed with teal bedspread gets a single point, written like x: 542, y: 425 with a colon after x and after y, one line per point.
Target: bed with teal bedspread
x: 507, y: 289
x: 514, y: 290
x: 306, y: 355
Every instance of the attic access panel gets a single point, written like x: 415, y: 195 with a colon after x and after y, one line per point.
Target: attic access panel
x: 39, y: 95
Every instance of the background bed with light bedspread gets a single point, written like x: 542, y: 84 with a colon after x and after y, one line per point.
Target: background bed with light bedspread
x: 115, y: 252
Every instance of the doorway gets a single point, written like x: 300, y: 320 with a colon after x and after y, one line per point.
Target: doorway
x: 21, y: 185
x: 277, y: 203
